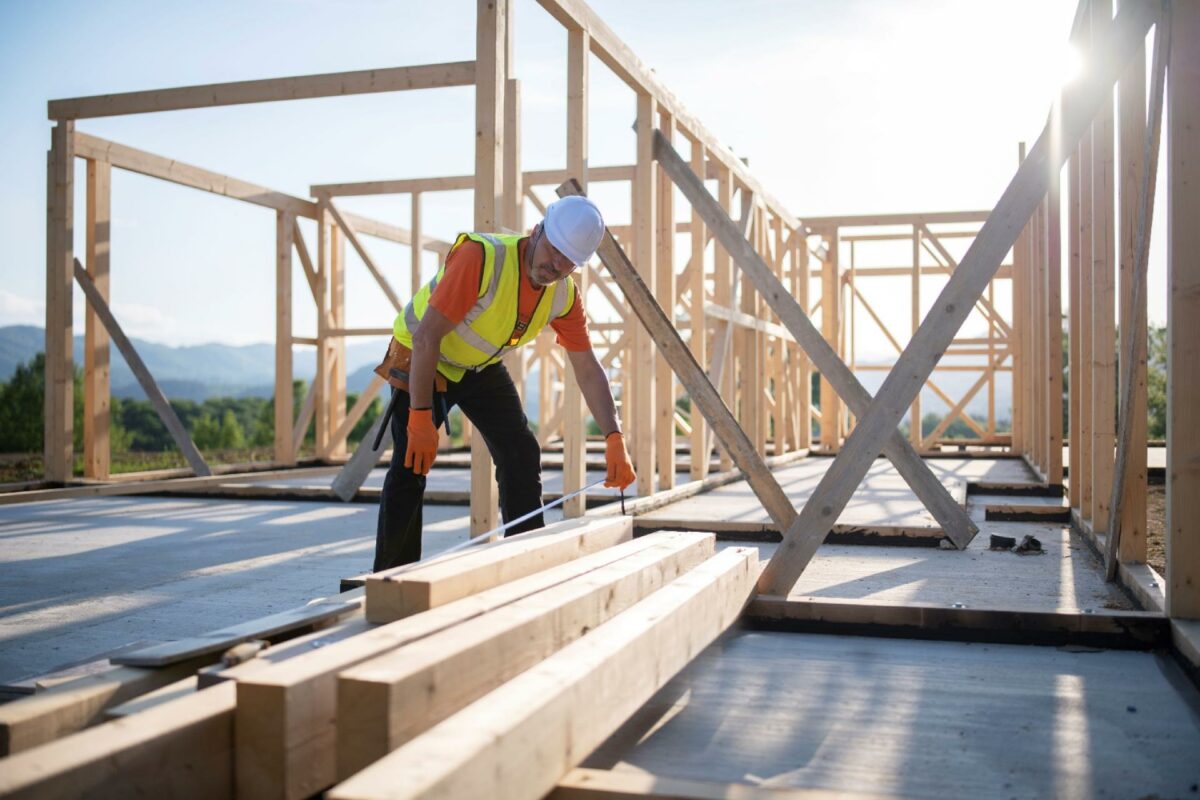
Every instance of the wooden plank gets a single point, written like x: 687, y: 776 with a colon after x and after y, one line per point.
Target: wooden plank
x: 850, y: 616
x: 163, y: 694
x: 385, y: 702
x: 138, y: 367
x: 69, y: 707
x: 182, y: 748
x: 58, y: 413
x: 286, y: 724
x: 333, y: 84
x: 360, y: 407
x: 402, y: 592
x: 521, y: 739
x: 949, y: 514
x: 1183, y: 314
x: 1081, y: 101
x: 96, y: 396
x: 273, y: 626
x: 168, y: 169
x: 704, y: 395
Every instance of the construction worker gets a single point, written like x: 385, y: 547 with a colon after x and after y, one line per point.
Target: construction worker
x: 494, y: 293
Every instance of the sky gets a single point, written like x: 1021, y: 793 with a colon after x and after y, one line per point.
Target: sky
x: 841, y: 108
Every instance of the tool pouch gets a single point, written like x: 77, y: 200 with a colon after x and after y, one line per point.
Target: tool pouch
x: 396, y: 364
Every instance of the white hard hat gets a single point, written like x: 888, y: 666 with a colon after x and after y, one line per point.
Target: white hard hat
x: 574, y: 226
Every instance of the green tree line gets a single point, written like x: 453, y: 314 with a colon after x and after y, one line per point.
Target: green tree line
x: 217, y: 423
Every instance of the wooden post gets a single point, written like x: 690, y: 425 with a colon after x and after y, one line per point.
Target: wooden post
x: 831, y: 424
x: 1104, y: 342
x: 514, y: 201
x: 1073, y: 326
x: 96, y: 398
x: 1084, y: 387
x: 1131, y: 97
x: 491, y: 36
x: 415, y: 256
x: 337, y: 310
x: 1052, y: 322
x: 804, y: 279
x: 60, y: 236
x: 1183, y: 315
x: 723, y: 296
x: 644, y: 225
x: 915, y: 432
x: 664, y: 292
x: 285, y: 224
x: 574, y: 423
x: 320, y: 391
x: 699, y: 340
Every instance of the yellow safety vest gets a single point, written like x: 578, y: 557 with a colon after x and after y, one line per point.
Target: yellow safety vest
x: 490, y: 328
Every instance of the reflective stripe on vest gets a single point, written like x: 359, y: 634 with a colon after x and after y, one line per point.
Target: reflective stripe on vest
x: 482, y: 337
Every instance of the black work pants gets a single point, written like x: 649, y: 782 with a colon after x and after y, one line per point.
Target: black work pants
x: 489, y: 400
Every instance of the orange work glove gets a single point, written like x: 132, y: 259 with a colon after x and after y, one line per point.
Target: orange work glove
x: 422, y: 441
x: 620, y: 467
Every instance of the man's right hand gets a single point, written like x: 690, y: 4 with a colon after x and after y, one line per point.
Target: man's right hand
x: 422, y: 441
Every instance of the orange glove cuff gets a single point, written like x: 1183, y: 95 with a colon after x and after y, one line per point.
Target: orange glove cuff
x: 422, y: 440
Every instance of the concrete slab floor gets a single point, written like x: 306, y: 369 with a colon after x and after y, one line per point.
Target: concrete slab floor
x: 920, y: 719
x: 86, y: 576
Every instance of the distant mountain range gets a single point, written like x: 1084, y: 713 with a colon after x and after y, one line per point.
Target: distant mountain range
x: 196, y: 372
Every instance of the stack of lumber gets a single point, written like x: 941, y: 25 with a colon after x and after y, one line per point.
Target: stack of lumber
x: 490, y: 672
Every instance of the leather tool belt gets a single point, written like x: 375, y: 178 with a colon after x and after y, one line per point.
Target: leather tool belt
x: 396, y: 364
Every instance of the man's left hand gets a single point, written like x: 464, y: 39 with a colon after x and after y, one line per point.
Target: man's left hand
x: 620, y: 466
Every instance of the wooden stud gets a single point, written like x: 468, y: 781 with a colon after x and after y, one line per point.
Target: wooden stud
x: 700, y: 443
x: 664, y: 292
x: 643, y: 368
x: 831, y: 421
x: 58, y: 456
x: 1130, y: 523
x: 1073, y: 327
x: 1051, y: 292
x: 1104, y: 342
x: 1081, y: 101
x: 337, y: 342
x: 285, y: 229
x: 915, y: 432
x: 574, y: 419
x: 96, y: 397
x: 491, y: 21
x: 1183, y: 315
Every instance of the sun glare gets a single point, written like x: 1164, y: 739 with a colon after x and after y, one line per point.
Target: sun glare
x: 1069, y: 65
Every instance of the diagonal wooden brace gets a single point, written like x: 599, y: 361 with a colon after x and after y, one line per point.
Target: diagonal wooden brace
x: 1079, y: 104
x: 138, y: 367
x: 949, y: 514
x: 704, y: 395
